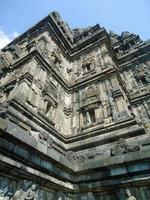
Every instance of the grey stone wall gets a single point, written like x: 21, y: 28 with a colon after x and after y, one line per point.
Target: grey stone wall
x: 74, y: 114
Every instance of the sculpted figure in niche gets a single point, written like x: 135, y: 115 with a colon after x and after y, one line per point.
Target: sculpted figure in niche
x: 141, y: 74
x: 46, y: 139
x: 55, y: 59
x: 129, y: 195
x: 30, y: 194
x: 5, y: 193
x: 50, y: 109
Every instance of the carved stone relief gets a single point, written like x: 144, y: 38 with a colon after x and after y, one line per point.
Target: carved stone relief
x: 82, y: 157
x: 67, y: 110
x: 74, y: 157
x: 60, y: 196
x: 29, y: 194
x: 50, y: 89
x: 122, y: 147
x: 141, y: 74
x: 5, y: 60
x: 91, y: 107
x: 43, y: 137
x: 43, y: 47
x: 6, y: 189
x: 25, y: 190
x: 56, y: 60
x: 129, y: 195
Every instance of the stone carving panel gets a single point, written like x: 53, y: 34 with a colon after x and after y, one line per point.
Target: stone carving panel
x: 26, y: 190
x: 141, y: 74
x: 29, y: 194
x: 43, y: 137
x: 82, y: 157
x: 127, y: 194
x: 56, y: 59
x: 5, y: 60
x: 6, y: 188
x: 122, y: 147
x: 90, y: 95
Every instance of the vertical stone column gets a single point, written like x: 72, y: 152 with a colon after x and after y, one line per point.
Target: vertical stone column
x: 88, y: 119
x: 53, y: 110
x: 120, y: 104
x: 122, y: 107
x: 101, y: 112
x: 115, y: 111
x: 97, y: 116
x: 81, y: 119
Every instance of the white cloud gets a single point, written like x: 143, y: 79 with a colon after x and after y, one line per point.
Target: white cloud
x: 15, y: 34
x: 5, y: 38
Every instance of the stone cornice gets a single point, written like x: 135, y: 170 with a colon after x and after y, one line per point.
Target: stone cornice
x: 71, y: 50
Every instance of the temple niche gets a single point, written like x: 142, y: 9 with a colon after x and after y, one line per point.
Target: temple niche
x: 88, y: 64
x: 91, y: 110
x: 141, y: 74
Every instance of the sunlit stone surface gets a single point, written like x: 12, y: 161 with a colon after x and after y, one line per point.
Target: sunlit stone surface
x: 74, y: 114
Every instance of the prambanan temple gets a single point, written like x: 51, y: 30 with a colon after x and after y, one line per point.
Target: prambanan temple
x: 74, y: 114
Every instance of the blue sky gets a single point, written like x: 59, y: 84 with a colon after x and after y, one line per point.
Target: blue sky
x: 16, y: 16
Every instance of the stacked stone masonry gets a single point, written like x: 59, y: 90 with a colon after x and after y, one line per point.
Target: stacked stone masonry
x: 74, y: 114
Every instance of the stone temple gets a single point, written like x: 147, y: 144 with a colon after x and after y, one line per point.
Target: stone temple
x: 74, y: 114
